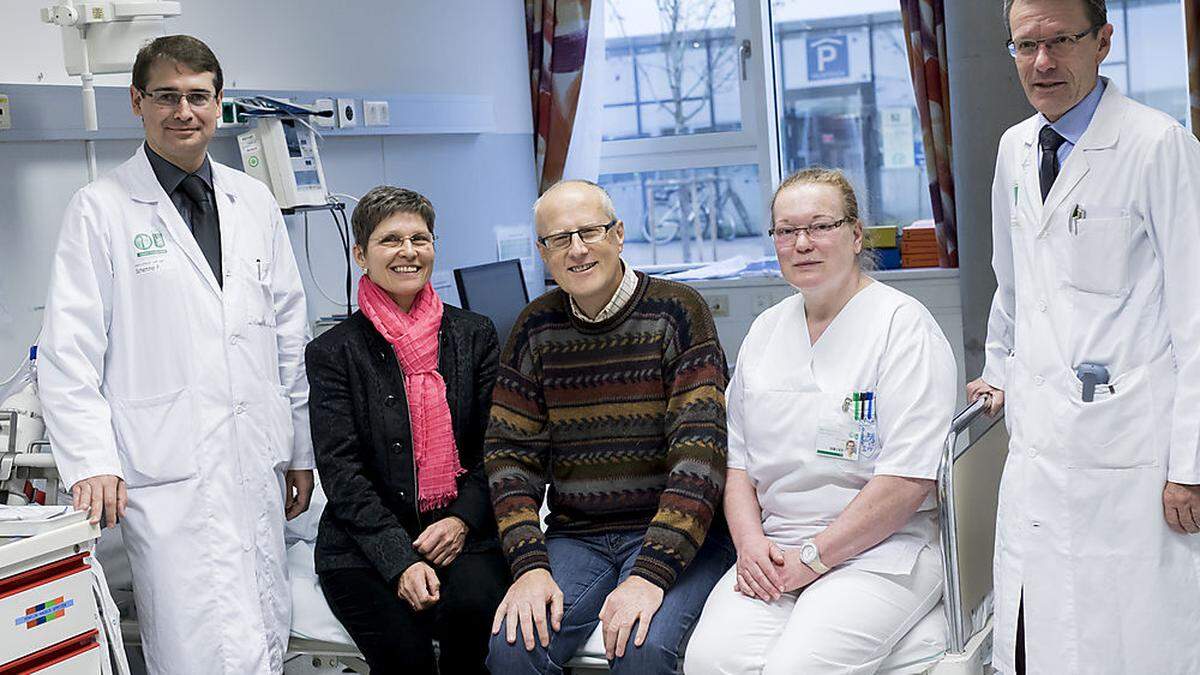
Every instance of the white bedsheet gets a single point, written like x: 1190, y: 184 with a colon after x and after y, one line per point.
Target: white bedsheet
x: 311, y: 617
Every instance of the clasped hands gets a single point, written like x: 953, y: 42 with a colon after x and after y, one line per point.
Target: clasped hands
x: 765, y: 571
x: 439, y: 545
x: 634, y: 600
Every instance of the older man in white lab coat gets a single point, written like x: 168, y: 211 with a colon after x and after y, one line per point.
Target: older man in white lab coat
x: 173, y: 380
x: 1096, y: 226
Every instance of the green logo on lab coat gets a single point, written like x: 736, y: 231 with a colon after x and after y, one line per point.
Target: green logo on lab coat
x: 152, y: 243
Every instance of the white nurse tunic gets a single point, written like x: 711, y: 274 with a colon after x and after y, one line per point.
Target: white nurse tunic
x: 791, y: 403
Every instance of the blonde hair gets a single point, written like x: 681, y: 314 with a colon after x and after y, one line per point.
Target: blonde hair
x: 818, y: 175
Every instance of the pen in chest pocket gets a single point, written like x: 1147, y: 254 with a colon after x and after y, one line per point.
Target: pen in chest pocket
x: 1077, y: 214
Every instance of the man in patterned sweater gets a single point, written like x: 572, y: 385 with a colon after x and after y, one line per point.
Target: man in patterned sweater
x: 612, y: 389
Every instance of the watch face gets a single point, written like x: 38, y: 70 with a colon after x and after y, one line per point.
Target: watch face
x: 808, y: 553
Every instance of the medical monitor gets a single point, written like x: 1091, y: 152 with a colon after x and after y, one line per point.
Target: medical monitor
x: 495, y: 290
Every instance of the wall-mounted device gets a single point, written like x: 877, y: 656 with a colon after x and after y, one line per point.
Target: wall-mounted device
x: 104, y: 37
x: 282, y: 152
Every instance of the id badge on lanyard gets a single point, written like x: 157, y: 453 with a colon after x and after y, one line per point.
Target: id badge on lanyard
x: 848, y: 431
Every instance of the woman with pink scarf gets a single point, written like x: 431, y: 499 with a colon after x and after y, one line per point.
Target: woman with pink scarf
x: 407, y: 550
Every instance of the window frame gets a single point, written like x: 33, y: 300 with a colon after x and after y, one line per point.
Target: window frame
x: 755, y: 143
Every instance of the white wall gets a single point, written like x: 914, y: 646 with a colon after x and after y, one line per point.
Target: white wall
x: 385, y: 47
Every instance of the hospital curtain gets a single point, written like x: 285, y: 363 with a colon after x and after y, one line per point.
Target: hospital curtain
x: 557, y: 31
x: 1191, y: 25
x: 925, y: 27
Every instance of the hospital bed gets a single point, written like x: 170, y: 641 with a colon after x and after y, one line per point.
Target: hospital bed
x: 968, y: 484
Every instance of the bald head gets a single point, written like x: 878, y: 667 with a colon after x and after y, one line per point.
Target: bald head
x: 571, y: 196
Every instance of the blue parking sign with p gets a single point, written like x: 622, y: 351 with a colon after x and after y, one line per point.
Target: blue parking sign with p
x: 828, y: 58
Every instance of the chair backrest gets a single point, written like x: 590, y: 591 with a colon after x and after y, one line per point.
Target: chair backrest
x: 495, y: 290
x: 976, y: 493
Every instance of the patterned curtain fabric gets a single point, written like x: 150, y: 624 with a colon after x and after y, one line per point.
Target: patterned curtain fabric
x: 925, y: 26
x: 1191, y: 25
x: 557, y: 31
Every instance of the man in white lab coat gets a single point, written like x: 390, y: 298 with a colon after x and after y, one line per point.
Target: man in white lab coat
x: 1094, y: 342
x: 173, y: 381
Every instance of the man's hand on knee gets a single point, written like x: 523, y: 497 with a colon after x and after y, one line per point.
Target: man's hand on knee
x: 525, y: 603
x: 98, y: 494
x: 635, y: 600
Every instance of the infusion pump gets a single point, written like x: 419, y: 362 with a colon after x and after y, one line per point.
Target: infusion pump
x: 282, y: 152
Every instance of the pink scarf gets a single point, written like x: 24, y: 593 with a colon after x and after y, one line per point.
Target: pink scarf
x: 414, y: 338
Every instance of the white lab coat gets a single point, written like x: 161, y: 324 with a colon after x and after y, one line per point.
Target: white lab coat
x: 1108, y: 587
x: 195, y: 395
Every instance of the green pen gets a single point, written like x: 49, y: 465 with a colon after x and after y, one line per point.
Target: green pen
x: 857, y: 406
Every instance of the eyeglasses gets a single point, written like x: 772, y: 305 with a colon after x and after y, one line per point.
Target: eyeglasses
x: 786, y: 234
x: 169, y: 99
x: 421, y: 241
x: 1056, y: 45
x: 588, y: 234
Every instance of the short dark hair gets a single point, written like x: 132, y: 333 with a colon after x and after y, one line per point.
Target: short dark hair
x: 381, y: 203
x: 182, y: 49
x: 1097, y: 13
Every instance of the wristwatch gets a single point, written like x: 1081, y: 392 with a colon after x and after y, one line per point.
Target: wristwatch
x: 811, y: 557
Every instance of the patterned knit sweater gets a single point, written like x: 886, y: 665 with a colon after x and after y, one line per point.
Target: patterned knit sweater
x: 625, y: 418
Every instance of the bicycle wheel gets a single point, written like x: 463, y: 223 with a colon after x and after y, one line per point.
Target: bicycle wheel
x: 667, y: 228
x: 733, y: 220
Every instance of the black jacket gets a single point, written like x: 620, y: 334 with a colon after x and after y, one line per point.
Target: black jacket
x: 361, y: 435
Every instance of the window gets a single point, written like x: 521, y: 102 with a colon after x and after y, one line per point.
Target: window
x: 846, y: 101
x: 680, y: 155
x: 672, y: 68
x: 690, y: 215
x: 1148, y: 58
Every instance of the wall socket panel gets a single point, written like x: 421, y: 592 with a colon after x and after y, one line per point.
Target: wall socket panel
x: 325, y: 104
x: 347, y: 113
x: 5, y: 113
x: 375, y: 114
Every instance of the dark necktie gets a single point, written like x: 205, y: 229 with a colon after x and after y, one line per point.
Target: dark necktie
x: 205, y: 227
x: 1049, y: 140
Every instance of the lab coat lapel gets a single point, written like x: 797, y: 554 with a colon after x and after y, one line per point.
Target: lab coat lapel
x: 1029, y: 200
x: 226, y: 200
x: 1101, y: 135
x: 147, y: 189
x: 1076, y: 168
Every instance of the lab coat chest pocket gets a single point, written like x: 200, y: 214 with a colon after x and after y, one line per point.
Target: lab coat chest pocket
x: 1098, y: 252
x: 1118, y: 429
x: 252, y: 292
x: 156, y: 440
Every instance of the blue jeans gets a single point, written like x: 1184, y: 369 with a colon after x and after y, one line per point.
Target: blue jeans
x: 587, y: 568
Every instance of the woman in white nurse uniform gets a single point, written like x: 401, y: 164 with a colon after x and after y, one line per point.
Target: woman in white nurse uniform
x: 838, y: 409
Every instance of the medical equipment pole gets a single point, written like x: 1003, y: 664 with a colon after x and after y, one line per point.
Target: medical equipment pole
x: 91, y: 121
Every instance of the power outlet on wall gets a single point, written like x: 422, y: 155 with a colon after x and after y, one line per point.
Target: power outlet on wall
x: 347, y: 113
x: 5, y: 114
x: 375, y: 114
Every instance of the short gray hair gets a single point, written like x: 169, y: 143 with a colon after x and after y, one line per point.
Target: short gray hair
x: 1097, y: 12
x: 381, y: 203
x: 606, y: 203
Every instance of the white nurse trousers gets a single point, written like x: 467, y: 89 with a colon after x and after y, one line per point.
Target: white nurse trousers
x: 847, y: 622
